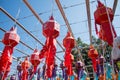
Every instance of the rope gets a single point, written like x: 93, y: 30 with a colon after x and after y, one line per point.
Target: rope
x: 18, y: 13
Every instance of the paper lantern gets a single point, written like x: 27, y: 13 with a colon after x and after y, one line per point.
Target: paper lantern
x: 25, y: 65
x: 6, y: 57
x: 101, y: 14
x: 69, y: 41
x: 11, y: 37
x: 92, y: 53
x: 107, y: 32
x: 34, y: 59
x: 51, y: 28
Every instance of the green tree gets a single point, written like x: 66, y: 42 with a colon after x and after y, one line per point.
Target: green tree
x: 83, y: 47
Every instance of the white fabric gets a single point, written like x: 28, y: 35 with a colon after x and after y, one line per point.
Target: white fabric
x: 115, y: 50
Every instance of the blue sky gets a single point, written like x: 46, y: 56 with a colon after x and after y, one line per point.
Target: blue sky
x: 75, y: 12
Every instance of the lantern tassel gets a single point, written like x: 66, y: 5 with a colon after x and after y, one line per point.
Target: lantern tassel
x: 94, y: 64
x: 35, y: 69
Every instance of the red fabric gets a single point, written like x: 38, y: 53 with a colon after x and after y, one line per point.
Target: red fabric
x: 25, y: 65
x: 24, y: 75
x: 94, y: 63
x: 68, y: 43
x: 6, y: 60
x: 43, y: 52
x: 107, y: 33
x: 34, y: 59
x: 68, y: 62
x: 50, y: 31
x: 101, y: 18
x: 92, y: 53
x: 51, y: 28
x: 50, y: 56
x: 11, y: 37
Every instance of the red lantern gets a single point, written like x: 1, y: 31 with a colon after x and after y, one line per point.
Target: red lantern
x: 50, y: 31
x: 11, y: 37
x: 51, y: 28
x: 5, y: 58
x: 101, y: 14
x: 34, y: 59
x: 25, y: 65
x: 93, y: 54
x: 101, y: 18
x: 68, y: 41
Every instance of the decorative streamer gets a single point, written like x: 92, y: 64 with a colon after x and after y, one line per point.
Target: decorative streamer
x: 101, y: 18
x: 10, y: 40
x: 50, y: 31
x: 68, y: 43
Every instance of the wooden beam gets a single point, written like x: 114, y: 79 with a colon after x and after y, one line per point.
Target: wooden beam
x: 64, y: 17
x: 20, y: 25
x: 39, y: 19
x: 24, y: 43
x: 20, y: 41
x: 89, y: 20
x: 67, y: 23
x: 115, y: 5
x: 36, y: 15
x: 68, y: 26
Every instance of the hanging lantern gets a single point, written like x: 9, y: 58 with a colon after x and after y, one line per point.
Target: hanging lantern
x: 92, y: 53
x: 5, y: 58
x: 34, y: 59
x: 11, y: 37
x: 101, y: 14
x: 69, y: 41
x: 25, y: 65
x: 51, y: 28
x: 106, y: 33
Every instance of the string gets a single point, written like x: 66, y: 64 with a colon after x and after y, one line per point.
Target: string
x: 18, y: 13
x: 52, y: 10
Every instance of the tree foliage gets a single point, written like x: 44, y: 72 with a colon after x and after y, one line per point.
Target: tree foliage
x: 101, y: 47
